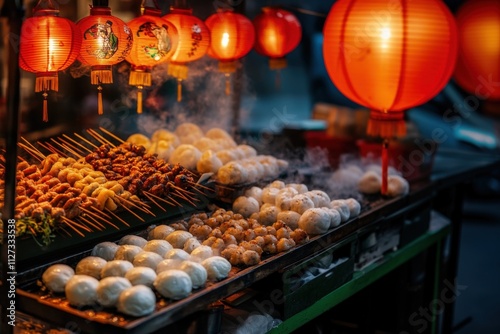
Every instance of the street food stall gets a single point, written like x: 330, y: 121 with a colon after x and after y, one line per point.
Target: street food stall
x: 145, y: 212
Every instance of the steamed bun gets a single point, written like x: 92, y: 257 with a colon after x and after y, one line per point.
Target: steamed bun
x: 186, y: 155
x: 315, y: 221
x: 81, y: 290
x: 217, y: 268
x: 208, y: 163
x: 137, y: 301
x: 139, y: 140
x: 141, y: 275
x: 174, y: 284
x: 245, y: 206
x: 56, y: 276
x: 91, y: 266
x: 109, y: 289
x: 116, y: 268
x: 105, y: 250
x: 196, y: 272
x: 166, y: 136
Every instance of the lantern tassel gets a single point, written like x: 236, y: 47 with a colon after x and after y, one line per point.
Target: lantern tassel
x: 179, y: 90
x: 45, y: 116
x: 385, y: 166
x: 139, y: 99
x: 99, y: 100
x: 386, y: 124
x: 228, y: 84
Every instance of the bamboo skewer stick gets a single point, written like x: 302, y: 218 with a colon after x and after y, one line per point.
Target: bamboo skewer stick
x: 131, y: 203
x: 77, y: 143
x: 184, y: 198
x: 85, y: 140
x: 34, y: 148
x: 154, y: 202
x: 90, y: 223
x: 162, y: 199
x: 111, y: 134
x: 72, y: 227
x: 184, y: 191
x: 95, y: 137
x: 85, y: 228
x: 46, y: 147
x: 99, y: 212
x: 72, y: 146
x: 93, y: 216
x: 135, y: 214
x: 60, y: 227
x: 100, y: 138
x: 66, y: 148
x: 178, y: 193
x: 32, y: 154
x: 117, y: 217
x: 61, y: 153
x: 104, y: 138
x: 197, y: 185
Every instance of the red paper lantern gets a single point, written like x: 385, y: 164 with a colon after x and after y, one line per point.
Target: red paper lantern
x: 278, y: 32
x: 155, y: 41
x: 399, y: 58
x: 194, y: 40
x: 106, y: 41
x: 48, y: 44
x: 478, y: 63
x: 389, y: 56
x: 232, y: 37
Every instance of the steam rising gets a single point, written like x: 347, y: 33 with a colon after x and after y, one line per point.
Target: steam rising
x: 204, y: 101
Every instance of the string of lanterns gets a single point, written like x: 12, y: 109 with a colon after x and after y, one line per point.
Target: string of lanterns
x: 50, y: 44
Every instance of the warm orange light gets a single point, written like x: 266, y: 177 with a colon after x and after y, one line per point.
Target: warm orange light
x: 478, y: 63
x: 232, y: 37
x: 278, y: 32
x: 48, y: 44
x: 107, y: 40
x: 155, y: 41
x: 194, y: 40
x: 389, y: 56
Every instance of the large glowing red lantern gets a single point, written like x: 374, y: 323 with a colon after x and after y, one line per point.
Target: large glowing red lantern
x: 278, y: 32
x: 155, y: 41
x: 106, y: 41
x: 194, y: 40
x: 389, y: 56
x: 478, y: 62
x: 48, y: 44
x: 232, y: 37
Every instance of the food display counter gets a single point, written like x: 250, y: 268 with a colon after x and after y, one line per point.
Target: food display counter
x: 408, y: 219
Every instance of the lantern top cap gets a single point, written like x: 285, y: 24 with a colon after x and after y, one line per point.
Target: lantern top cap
x: 46, y: 8
x: 150, y: 7
x: 184, y: 11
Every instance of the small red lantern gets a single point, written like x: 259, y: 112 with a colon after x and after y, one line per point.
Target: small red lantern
x: 194, y: 40
x: 397, y: 60
x: 48, y: 44
x: 278, y: 33
x: 106, y: 41
x: 478, y: 63
x: 155, y: 41
x: 232, y: 37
